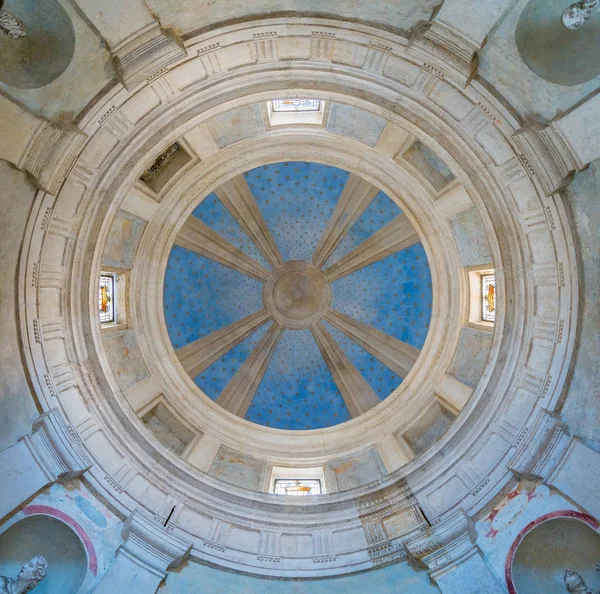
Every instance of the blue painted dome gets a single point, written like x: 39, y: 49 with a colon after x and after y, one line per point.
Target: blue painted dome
x: 300, y: 355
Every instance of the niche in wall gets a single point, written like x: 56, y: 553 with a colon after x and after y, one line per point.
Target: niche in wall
x: 431, y: 167
x: 428, y: 428
x: 552, y: 51
x: 46, y: 50
x: 52, y: 539
x: 165, y: 426
x: 165, y: 166
x: 550, y: 548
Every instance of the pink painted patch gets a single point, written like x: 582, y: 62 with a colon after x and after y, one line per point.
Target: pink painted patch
x: 46, y: 510
x: 491, y: 533
x: 567, y: 513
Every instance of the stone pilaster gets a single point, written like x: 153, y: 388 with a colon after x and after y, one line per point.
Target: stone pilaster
x: 448, y: 551
x: 561, y: 461
x: 146, y: 56
x: 558, y: 150
x: 53, y: 452
x: 148, y: 551
x: 44, y: 151
x: 141, y: 49
x: 50, y: 156
x: 456, y: 32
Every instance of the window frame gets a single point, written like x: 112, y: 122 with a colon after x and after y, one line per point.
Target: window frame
x: 474, y: 304
x: 275, y: 473
x: 113, y: 306
x: 300, y: 482
x: 492, y: 317
x: 295, y: 117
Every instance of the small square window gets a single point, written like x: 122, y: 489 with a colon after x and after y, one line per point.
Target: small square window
x: 488, y: 298
x: 295, y: 112
x: 297, y: 487
x: 287, y: 105
x: 106, y: 299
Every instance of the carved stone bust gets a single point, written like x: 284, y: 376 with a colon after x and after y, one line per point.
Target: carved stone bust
x: 29, y: 577
x: 10, y: 24
x: 574, y: 583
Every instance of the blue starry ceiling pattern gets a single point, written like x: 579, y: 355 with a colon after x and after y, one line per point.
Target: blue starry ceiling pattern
x: 297, y: 390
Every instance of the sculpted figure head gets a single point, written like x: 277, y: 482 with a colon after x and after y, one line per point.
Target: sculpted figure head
x: 11, y: 25
x: 33, y: 572
x: 574, y: 583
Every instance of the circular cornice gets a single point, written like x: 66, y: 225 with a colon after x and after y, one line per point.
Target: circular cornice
x: 311, y: 446
x: 525, y: 371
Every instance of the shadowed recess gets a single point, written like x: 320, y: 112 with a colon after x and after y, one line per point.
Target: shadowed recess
x: 213, y: 213
x: 297, y: 391
x: 217, y: 376
x: 379, y: 213
x: 383, y: 380
x: 201, y: 296
x: 296, y: 200
x: 393, y: 295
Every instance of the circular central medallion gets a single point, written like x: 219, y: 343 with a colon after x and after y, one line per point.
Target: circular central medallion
x: 297, y: 294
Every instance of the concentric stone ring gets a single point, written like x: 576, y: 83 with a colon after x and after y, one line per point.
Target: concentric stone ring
x: 297, y: 294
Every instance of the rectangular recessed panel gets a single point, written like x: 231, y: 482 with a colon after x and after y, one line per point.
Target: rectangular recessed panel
x: 428, y: 428
x: 435, y: 171
x: 165, y: 166
x: 168, y: 429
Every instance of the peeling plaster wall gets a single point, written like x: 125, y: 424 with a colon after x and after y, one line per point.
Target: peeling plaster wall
x: 581, y: 409
x: 472, y: 244
x: 124, y: 354
x: 94, y: 527
x: 17, y: 405
x: 123, y: 239
x: 501, y: 525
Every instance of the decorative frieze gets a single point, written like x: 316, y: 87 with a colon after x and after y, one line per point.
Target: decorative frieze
x: 50, y: 155
x: 147, y: 552
x: 549, y: 155
x: 386, y: 553
x: 536, y: 457
x: 141, y: 58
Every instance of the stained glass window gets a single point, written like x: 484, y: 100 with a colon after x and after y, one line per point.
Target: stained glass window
x: 287, y: 105
x: 488, y: 297
x: 106, y: 298
x: 297, y: 487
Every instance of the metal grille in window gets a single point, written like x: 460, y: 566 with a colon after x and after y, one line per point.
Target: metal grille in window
x: 297, y: 487
x: 287, y: 105
x: 106, y: 298
x: 488, y: 297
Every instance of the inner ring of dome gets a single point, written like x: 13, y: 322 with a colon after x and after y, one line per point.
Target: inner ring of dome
x: 297, y: 296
